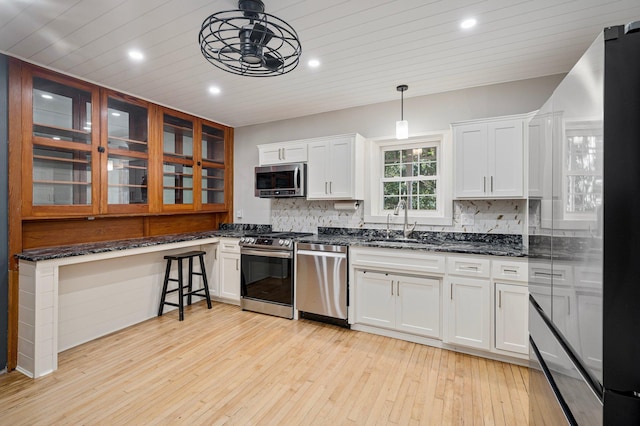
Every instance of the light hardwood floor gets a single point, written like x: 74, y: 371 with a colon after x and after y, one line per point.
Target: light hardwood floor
x: 226, y: 366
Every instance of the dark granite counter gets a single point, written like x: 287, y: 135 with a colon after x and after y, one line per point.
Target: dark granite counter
x: 226, y: 230
x: 448, y: 242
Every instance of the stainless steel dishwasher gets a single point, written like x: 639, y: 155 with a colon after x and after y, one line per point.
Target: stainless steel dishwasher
x: 321, y: 280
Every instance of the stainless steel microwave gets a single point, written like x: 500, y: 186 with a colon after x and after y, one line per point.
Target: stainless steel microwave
x: 284, y: 180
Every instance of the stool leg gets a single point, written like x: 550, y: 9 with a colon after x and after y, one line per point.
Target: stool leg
x: 190, y: 281
x: 164, y: 287
x: 180, y: 291
x: 204, y: 281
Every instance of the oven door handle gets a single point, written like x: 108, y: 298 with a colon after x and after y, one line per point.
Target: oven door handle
x: 267, y: 253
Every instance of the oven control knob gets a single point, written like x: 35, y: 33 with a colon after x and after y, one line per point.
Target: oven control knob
x: 287, y: 243
x: 250, y: 240
x: 242, y: 240
x: 281, y: 242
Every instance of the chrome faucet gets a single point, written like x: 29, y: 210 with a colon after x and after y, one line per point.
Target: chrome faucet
x: 405, y: 229
x: 388, y: 230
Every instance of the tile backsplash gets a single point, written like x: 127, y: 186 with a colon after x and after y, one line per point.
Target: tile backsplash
x: 489, y: 216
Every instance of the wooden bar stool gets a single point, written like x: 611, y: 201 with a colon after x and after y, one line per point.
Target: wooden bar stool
x: 180, y: 289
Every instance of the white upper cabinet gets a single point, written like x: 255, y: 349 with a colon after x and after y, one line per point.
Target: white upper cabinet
x: 280, y: 153
x: 489, y: 160
x: 335, y: 170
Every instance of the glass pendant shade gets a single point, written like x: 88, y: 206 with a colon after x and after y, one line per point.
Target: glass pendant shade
x: 402, y: 129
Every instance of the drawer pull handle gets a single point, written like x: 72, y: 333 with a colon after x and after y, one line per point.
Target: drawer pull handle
x: 513, y: 271
x: 500, y: 299
x: 547, y: 274
x: 469, y: 268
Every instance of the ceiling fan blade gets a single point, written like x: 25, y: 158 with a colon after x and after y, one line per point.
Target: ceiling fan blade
x: 260, y: 35
x: 271, y: 62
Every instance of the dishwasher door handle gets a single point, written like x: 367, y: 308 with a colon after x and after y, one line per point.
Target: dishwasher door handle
x: 321, y: 254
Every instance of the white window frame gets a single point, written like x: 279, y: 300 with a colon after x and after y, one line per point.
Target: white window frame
x: 374, y: 213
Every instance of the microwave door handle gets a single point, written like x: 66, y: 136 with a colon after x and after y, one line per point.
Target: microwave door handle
x: 296, y: 178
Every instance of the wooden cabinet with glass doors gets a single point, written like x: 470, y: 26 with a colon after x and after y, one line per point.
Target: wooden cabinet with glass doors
x: 61, y: 146
x: 91, y: 151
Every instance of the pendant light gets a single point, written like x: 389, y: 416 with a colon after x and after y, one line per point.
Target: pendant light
x: 402, y: 126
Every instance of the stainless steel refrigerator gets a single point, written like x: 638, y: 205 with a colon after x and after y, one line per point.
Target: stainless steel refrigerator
x: 584, y: 240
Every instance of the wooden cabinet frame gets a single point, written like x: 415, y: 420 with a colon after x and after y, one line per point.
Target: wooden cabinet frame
x: 53, y: 225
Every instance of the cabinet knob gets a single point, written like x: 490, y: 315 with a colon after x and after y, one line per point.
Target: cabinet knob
x: 101, y: 149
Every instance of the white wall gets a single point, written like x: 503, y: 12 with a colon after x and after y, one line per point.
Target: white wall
x: 424, y: 113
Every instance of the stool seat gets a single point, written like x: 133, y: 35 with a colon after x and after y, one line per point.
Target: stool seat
x: 202, y: 292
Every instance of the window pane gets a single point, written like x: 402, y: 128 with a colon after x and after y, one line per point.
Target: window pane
x: 61, y: 112
x: 127, y: 180
x: 392, y: 171
x: 391, y: 157
x: 390, y: 203
x: 391, y: 188
x: 127, y: 126
x: 61, y: 177
x: 427, y: 203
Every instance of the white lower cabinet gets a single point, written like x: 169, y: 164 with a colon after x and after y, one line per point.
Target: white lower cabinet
x: 399, y: 302
x: 229, y: 267
x: 512, y: 319
x: 467, y: 311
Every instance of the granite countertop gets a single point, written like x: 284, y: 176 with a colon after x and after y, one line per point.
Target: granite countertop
x: 59, y: 252
x: 448, y: 242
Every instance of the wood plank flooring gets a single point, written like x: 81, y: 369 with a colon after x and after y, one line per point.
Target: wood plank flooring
x: 226, y: 366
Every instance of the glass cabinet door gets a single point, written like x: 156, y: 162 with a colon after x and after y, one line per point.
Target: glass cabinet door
x: 127, y: 155
x: 62, y: 147
x: 177, y: 180
x: 213, y: 167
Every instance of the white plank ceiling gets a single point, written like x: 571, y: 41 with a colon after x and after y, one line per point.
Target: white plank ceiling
x: 366, y: 47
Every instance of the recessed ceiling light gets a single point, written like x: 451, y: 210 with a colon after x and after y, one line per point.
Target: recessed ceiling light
x: 314, y: 63
x: 136, y: 55
x: 468, y: 23
x: 214, y: 90
x: 47, y: 96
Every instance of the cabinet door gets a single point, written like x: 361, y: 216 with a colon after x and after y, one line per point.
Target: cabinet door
x: 471, y: 160
x: 270, y: 154
x: 468, y: 302
x: 280, y: 153
x: 375, y: 301
x: 505, y: 161
x: 230, y: 276
x: 212, y: 263
x: 318, y: 170
x: 341, y: 169
x: 418, y: 305
x: 512, y: 320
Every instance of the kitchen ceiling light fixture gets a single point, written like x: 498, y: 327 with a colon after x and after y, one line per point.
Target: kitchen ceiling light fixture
x: 250, y: 42
x: 402, y: 126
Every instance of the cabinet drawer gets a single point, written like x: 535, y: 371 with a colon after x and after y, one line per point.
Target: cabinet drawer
x: 468, y: 266
x: 396, y: 260
x: 230, y: 245
x: 509, y: 270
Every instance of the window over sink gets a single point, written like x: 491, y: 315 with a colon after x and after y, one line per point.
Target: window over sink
x: 418, y: 170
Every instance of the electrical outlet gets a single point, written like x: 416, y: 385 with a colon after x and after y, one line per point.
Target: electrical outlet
x: 239, y: 213
x: 467, y: 219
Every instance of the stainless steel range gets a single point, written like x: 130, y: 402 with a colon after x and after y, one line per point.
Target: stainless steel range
x: 267, y: 273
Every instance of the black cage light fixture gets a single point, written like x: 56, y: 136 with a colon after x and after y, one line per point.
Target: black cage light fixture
x: 250, y: 42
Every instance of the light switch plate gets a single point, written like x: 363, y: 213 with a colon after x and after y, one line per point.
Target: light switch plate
x: 467, y: 219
